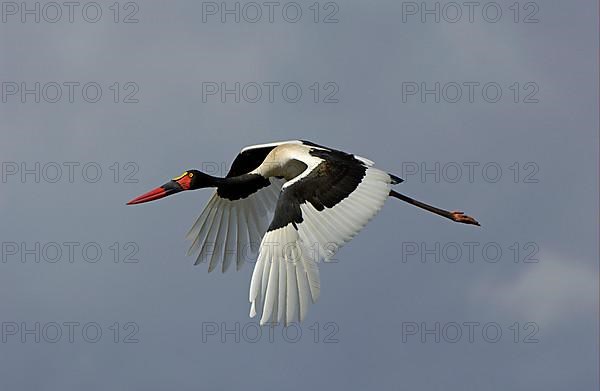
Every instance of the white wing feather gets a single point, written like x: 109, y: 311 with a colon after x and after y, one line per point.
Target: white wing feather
x: 286, y: 277
x: 229, y: 231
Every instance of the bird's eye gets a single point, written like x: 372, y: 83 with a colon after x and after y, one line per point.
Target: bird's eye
x: 191, y: 174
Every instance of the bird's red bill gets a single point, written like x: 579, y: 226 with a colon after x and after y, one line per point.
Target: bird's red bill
x: 152, y: 195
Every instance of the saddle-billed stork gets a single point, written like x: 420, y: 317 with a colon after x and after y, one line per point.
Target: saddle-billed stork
x: 292, y: 202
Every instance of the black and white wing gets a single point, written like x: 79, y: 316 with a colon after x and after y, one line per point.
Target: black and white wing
x: 237, y: 215
x: 317, y: 212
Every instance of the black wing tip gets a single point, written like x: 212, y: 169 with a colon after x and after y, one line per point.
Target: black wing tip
x: 314, y: 145
x: 395, y: 179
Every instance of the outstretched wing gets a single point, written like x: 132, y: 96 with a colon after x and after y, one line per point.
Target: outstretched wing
x: 237, y: 215
x: 317, y: 212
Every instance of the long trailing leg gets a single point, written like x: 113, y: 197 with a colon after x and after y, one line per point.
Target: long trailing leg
x: 456, y: 216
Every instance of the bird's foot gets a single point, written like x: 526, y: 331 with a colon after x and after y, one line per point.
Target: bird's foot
x: 461, y: 217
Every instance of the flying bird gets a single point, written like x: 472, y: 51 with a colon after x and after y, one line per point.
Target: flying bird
x: 289, y: 205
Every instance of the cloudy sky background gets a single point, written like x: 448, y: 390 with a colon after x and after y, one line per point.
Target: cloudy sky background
x: 370, y: 293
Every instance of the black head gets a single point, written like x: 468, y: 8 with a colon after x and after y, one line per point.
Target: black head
x: 189, y: 180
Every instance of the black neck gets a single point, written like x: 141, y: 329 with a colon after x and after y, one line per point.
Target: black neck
x: 241, y: 186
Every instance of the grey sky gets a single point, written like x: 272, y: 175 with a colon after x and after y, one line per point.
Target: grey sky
x: 547, y: 203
